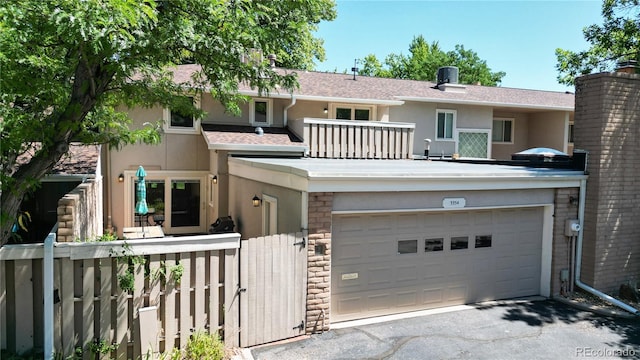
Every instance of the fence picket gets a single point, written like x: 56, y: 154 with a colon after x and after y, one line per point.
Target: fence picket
x: 199, y: 313
x: 169, y: 304
x: 88, y: 278
x: 3, y: 306
x: 105, y: 302
x: 122, y: 312
x: 214, y: 291
x: 185, y: 299
x: 23, y: 309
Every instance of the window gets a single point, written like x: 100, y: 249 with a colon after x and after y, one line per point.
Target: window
x: 460, y: 242
x: 433, y: 244
x: 446, y: 122
x: 352, y: 112
x: 570, y: 135
x: 179, y: 121
x: 269, y: 215
x: 261, y: 112
x: 483, y: 241
x: 502, y: 131
x: 177, y: 200
x: 407, y: 246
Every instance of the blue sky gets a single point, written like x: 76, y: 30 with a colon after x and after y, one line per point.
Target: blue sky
x: 517, y: 37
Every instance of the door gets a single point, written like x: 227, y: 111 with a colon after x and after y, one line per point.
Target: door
x: 390, y: 263
x: 273, y: 288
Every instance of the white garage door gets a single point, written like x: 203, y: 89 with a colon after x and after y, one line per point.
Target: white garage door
x: 391, y: 263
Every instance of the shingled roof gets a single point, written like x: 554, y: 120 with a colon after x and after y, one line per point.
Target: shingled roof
x: 324, y: 86
x: 79, y: 160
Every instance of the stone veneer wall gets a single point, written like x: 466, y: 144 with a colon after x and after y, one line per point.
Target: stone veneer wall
x: 607, y: 126
x: 80, y: 213
x: 319, y: 262
x: 564, y: 210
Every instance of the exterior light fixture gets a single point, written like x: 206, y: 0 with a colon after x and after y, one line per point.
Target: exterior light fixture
x: 215, y: 179
x: 256, y: 201
x: 326, y: 110
x: 427, y: 147
x: 121, y: 178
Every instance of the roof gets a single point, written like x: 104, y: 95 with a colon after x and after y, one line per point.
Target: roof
x: 232, y: 137
x: 79, y: 160
x: 313, y: 174
x: 324, y: 86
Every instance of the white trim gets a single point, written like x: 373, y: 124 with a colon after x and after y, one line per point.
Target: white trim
x: 453, y: 124
x: 513, y: 131
x: 567, y: 123
x: 547, y: 250
x: 485, y: 103
x: 353, y: 106
x: 252, y: 112
x: 440, y: 209
x: 484, y: 131
x: 167, y: 177
x: 270, y: 204
x: 166, y: 117
x: 324, y: 98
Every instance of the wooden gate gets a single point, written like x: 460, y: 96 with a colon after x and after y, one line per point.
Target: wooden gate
x: 273, y: 283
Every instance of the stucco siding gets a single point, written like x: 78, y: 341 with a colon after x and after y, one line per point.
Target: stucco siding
x: 248, y: 219
x: 547, y: 129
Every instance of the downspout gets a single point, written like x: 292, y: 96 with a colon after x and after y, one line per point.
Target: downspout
x: 286, y: 109
x: 580, y: 284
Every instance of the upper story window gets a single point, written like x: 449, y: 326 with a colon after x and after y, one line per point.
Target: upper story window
x: 445, y: 124
x: 352, y: 112
x: 176, y: 121
x: 261, y: 112
x: 502, y: 131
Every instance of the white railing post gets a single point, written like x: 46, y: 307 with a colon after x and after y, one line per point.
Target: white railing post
x: 47, y: 288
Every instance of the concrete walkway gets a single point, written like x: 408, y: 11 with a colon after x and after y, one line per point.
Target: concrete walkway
x: 499, y: 330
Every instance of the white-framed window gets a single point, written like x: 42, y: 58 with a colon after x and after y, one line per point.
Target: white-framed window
x: 502, y: 131
x: 261, y: 112
x: 353, y: 112
x: 445, y: 124
x: 176, y: 198
x: 269, y: 215
x: 181, y: 123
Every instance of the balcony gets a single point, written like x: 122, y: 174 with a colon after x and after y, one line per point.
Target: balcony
x: 352, y: 139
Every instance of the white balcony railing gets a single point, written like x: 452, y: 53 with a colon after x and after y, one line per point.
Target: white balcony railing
x: 351, y: 139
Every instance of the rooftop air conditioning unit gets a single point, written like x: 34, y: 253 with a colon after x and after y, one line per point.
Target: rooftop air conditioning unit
x: 448, y: 75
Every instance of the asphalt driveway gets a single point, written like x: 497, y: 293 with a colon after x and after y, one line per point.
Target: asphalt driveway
x: 543, y: 329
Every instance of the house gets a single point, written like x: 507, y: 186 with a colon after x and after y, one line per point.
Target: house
x: 388, y: 226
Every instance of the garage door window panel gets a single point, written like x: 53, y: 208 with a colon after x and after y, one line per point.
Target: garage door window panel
x: 459, y: 243
x: 483, y: 241
x: 431, y: 245
x: 407, y: 246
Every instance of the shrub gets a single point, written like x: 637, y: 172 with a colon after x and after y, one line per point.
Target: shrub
x: 204, y: 346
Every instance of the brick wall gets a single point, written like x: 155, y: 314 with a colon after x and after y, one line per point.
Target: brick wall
x: 319, y: 262
x: 80, y: 213
x: 607, y: 125
x: 564, y: 209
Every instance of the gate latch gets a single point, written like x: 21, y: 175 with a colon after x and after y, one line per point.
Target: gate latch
x: 303, y: 242
x: 300, y: 327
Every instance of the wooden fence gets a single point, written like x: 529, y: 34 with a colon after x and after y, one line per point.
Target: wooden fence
x: 108, y: 291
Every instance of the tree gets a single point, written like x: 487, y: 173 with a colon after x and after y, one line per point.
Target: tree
x: 66, y: 66
x: 424, y: 61
x: 617, y: 39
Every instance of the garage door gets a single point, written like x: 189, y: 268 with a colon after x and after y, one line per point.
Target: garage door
x: 391, y: 263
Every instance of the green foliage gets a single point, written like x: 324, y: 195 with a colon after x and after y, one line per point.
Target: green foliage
x: 204, y: 346
x: 617, y: 39
x: 175, y: 271
x: 126, y: 280
x: 71, y: 68
x: 101, y: 347
x: 106, y: 237
x: 424, y: 61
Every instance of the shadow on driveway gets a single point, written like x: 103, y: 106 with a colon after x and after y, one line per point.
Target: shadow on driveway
x: 511, y: 329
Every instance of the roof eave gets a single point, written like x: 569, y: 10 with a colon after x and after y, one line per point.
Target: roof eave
x: 487, y: 103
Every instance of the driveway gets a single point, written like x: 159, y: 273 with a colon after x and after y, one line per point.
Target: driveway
x: 543, y: 329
